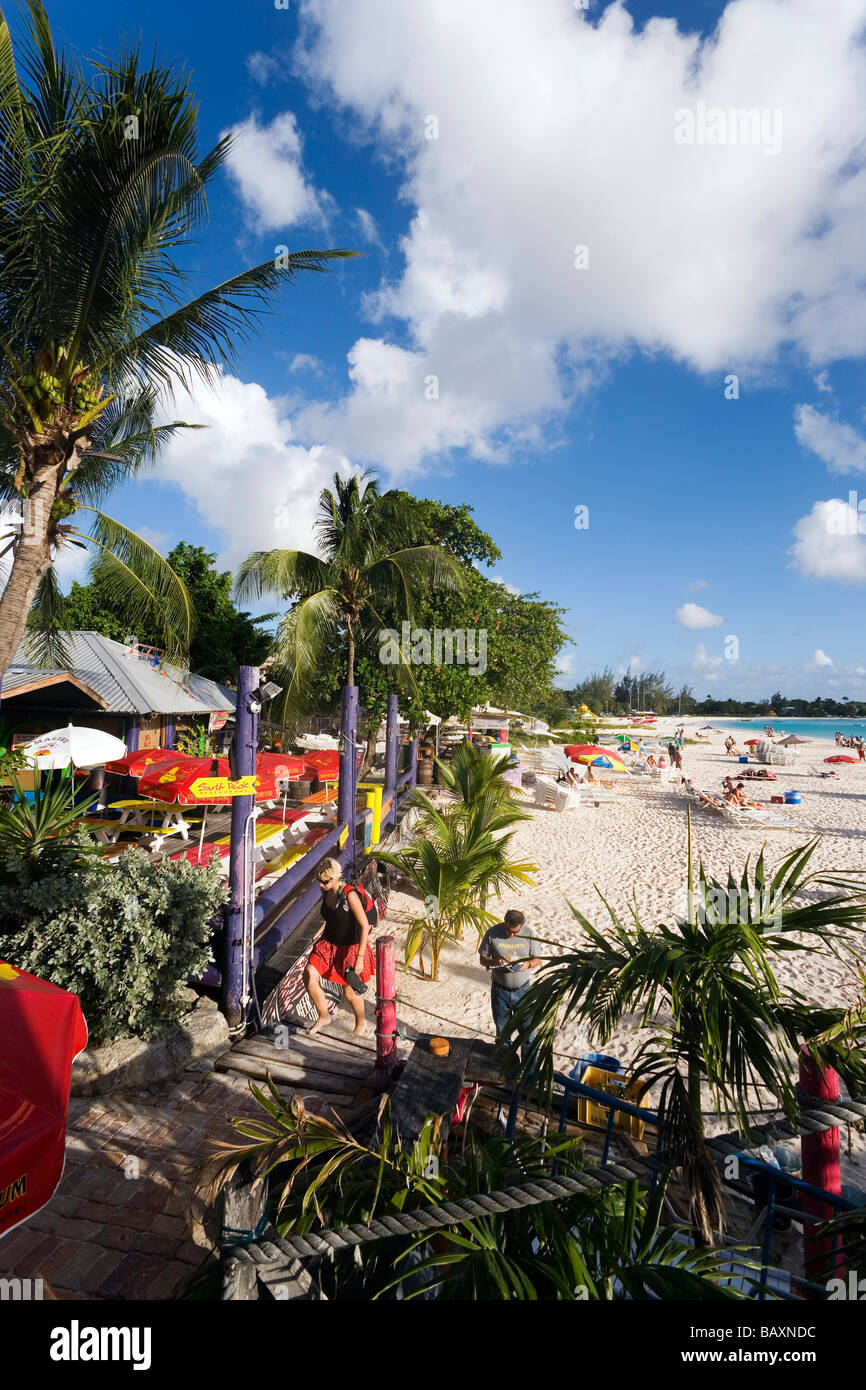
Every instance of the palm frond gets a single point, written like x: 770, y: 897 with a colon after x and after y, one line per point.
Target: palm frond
x: 142, y: 584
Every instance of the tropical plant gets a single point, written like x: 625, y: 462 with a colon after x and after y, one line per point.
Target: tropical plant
x: 36, y: 836
x: 454, y: 863
x: 196, y: 741
x: 124, y: 939
x: 706, y: 986
x: 476, y: 779
x: 364, y: 565
x: 596, y: 1245
x: 101, y: 182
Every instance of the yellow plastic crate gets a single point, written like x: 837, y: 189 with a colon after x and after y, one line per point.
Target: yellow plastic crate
x: 593, y: 1113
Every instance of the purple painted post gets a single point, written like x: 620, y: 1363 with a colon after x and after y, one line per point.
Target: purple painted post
x: 348, y: 765
x: 170, y: 733
x: 240, y: 907
x: 129, y: 785
x: 391, y: 756
x: 413, y: 763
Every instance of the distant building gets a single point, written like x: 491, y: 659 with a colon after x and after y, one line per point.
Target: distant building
x: 125, y: 690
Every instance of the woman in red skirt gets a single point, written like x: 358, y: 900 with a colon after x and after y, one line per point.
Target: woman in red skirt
x: 344, y: 946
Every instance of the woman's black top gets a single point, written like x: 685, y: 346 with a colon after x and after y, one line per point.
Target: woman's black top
x: 342, y: 928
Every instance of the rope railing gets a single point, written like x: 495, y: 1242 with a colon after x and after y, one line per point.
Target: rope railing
x: 273, y: 1250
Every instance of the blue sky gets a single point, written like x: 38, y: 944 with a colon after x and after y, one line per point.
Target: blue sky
x: 475, y: 355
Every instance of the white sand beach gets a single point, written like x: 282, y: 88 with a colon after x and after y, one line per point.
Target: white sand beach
x: 637, y: 848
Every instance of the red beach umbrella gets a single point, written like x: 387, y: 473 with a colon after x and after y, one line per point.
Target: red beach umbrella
x: 749, y: 742
x: 41, y: 1029
x: 841, y: 758
x: 325, y: 765
x: 288, y: 766
x: 203, y: 782
x: 136, y: 764
x: 582, y: 750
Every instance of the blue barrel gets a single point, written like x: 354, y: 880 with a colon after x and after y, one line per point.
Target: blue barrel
x: 744, y: 758
x: 792, y: 798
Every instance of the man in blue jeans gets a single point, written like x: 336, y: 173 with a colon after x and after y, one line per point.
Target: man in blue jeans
x: 508, y: 952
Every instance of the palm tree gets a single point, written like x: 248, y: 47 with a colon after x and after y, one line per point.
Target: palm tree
x: 597, y: 1245
x: 100, y: 183
x: 454, y: 863
x: 706, y: 986
x: 476, y: 779
x: 366, y: 573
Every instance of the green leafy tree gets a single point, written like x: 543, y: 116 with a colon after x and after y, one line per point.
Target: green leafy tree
x: 101, y: 182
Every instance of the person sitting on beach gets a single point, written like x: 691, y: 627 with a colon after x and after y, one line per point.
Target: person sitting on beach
x: 343, y: 949
x: 735, y: 796
x: 651, y: 762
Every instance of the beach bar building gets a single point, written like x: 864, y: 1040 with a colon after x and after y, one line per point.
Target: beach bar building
x: 124, y: 689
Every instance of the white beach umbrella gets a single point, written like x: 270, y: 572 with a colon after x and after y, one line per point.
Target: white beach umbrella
x: 83, y: 748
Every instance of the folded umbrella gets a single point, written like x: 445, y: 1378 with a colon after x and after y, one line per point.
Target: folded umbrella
x: 42, y: 1029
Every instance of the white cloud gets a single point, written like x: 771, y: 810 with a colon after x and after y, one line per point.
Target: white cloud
x: 822, y: 381
x: 841, y: 447
x: 248, y: 478
x: 160, y: 540
x: 497, y: 579
x: 829, y: 543
x: 706, y: 665
x: 367, y: 227
x: 820, y: 658
x: 264, y: 67
x: 71, y: 564
x: 565, y: 662
x: 305, y: 362
x: 692, y: 615
x: 740, y: 254
x: 265, y: 163
x: 697, y: 586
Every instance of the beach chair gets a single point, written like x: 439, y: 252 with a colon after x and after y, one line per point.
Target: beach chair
x: 555, y: 796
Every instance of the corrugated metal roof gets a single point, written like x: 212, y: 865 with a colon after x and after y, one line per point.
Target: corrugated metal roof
x: 127, y: 684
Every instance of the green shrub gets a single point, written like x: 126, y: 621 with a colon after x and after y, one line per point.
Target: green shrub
x: 122, y: 937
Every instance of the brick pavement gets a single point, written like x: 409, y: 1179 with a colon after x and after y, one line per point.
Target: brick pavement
x: 120, y: 1224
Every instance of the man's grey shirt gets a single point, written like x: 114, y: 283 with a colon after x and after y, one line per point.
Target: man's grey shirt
x: 498, y: 945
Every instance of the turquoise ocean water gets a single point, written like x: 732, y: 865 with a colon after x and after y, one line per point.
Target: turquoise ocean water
x: 806, y: 728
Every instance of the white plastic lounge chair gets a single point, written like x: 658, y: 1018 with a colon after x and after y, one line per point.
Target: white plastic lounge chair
x: 556, y: 795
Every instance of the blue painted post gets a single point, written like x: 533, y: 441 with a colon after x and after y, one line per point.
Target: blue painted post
x: 240, y: 906
x: 391, y: 756
x: 348, y: 766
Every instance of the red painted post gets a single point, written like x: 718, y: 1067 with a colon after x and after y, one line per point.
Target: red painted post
x: 820, y: 1166
x: 386, y: 1007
